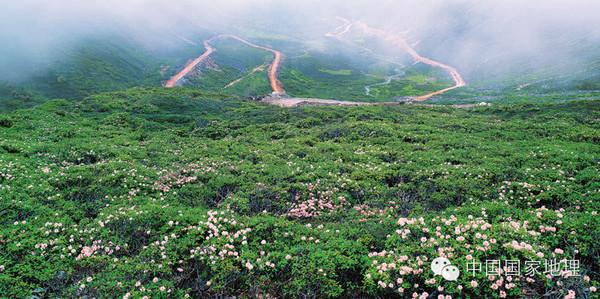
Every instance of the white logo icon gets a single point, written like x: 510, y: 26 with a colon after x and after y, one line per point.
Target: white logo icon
x: 442, y: 266
x: 450, y: 273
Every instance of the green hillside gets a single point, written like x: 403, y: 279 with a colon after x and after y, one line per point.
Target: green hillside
x: 166, y: 192
x: 89, y: 66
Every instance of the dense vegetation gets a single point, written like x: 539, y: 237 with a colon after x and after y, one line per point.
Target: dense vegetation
x: 14, y: 97
x: 163, y: 193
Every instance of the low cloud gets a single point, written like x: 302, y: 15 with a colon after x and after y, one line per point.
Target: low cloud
x: 467, y: 33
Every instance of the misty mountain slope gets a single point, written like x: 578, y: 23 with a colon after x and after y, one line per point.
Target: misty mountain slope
x: 319, y: 68
x: 103, y: 61
x: 113, y: 185
x: 111, y: 62
x: 95, y: 66
x: 496, y: 46
x: 466, y: 36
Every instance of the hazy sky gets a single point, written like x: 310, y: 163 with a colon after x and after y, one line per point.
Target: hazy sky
x: 464, y: 32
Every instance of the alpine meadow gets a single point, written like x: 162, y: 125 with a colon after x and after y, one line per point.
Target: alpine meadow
x: 299, y: 149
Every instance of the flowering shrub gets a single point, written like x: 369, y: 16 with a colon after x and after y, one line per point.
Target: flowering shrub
x: 473, y: 240
x: 123, y: 196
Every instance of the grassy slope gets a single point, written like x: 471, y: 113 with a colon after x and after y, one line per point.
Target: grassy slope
x: 302, y: 76
x: 155, y: 186
x: 114, y: 62
x: 97, y: 64
x: 234, y: 60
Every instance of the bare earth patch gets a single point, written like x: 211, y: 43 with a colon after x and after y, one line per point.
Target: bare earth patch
x: 299, y: 102
x: 295, y: 102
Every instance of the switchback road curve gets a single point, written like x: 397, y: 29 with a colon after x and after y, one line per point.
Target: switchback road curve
x: 399, y: 41
x: 272, y: 70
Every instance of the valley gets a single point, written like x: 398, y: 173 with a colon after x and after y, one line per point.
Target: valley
x: 338, y: 33
x: 274, y: 149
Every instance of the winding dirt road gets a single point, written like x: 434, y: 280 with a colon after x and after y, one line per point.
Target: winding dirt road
x: 394, y: 39
x: 336, y: 33
x: 272, y: 70
x: 295, y: 102
x: 341, y: 30
x: 275, y: 83
x: 401, y: 42
x: 173, y: 81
